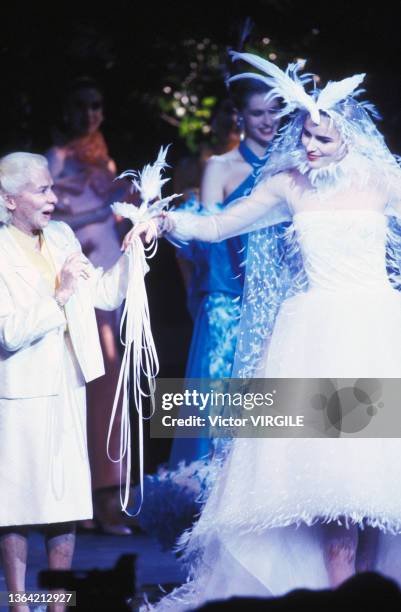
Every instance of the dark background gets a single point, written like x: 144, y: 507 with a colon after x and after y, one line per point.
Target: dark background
x: 130, y: 46
x: 127, y: 45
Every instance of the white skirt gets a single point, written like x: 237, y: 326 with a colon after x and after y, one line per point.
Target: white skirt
x: 337, y: 334
x: 44, y: 467
x: 260, y: 532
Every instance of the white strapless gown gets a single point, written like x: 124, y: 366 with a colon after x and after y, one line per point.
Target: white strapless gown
x: 260, y: 531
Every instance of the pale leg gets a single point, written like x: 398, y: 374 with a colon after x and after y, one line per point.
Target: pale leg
x: 60, y: 544
x: 14, y: 551
x: 340, y: 545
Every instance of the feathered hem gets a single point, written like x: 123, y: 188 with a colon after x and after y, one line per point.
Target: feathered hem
x: 190, y: 539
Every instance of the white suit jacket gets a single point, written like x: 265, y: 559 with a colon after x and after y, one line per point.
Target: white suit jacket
x: 32, y: 324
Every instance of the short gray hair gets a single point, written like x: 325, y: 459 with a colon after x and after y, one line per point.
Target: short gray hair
x: 15, y: 169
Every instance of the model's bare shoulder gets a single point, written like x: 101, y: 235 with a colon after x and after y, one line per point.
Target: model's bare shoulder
x: 226, y: 159
x: 222, y: 175
x: 216, y: 169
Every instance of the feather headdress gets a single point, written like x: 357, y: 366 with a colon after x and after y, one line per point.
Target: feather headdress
x: 335, y: 91
x: 290, y: 87
x: 287, y: 85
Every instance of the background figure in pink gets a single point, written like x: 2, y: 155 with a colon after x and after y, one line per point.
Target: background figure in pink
x: 83, y: 173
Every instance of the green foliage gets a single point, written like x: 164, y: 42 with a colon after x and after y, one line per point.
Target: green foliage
x: 194, y: 83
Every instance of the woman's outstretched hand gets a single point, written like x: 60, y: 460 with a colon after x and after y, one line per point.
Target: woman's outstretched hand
x: 149, y: 230
x: 145, y: 231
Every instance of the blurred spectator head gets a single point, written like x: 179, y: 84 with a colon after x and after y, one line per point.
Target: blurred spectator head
x: 83, y: 107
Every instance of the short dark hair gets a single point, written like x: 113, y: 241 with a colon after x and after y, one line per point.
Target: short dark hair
x: 79, y: 83
x: 241, y: 91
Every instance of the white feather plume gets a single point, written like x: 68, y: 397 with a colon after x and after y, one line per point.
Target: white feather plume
x: 286, y: 85
x: 149, y: 183
x: 250, y: 75
x: 335, y: 91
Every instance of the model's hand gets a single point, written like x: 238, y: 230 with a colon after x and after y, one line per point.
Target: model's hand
x: 146, y: 231
x: 76, y: 266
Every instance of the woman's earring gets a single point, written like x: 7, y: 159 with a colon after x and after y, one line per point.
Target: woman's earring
x: 241, y: 126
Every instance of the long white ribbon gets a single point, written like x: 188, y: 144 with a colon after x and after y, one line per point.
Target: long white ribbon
x: 140, y: 355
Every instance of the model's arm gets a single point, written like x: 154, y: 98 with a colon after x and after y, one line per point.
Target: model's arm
x: 211, y: 193
x: 72, y: 184
x: 77, y: 221
x: 265, y: 206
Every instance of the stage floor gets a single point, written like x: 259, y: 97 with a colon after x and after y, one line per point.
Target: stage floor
x: 154, y: 567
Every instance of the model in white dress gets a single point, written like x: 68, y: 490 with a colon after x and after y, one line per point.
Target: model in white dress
x: 266, y: 526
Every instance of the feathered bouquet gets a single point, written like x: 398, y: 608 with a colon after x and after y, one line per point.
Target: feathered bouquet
x: 140, y: 355
x: 148, y: 183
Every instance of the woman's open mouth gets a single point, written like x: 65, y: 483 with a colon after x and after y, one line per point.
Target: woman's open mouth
x: 48, y: 213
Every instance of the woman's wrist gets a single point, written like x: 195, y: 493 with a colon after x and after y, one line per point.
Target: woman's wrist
x: 165, y: 224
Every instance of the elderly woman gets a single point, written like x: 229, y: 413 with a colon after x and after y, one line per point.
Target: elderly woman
x: 49, y: 349
x: 83, y: 174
